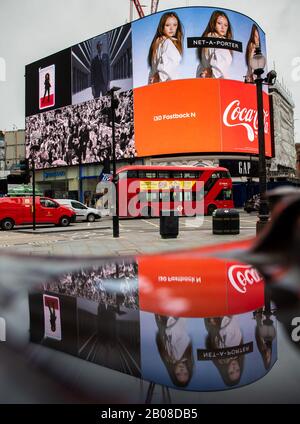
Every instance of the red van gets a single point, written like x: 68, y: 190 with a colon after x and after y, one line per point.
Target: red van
x: 18, y: 211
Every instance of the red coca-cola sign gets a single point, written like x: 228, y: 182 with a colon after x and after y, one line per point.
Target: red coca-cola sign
x: 239, y: 118
x: 237, y: 115
x: 245, y: 288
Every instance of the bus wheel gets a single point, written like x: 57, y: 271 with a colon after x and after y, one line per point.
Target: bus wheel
x: 7, y: 224
x: 211, y: 209
x: 64, y: 221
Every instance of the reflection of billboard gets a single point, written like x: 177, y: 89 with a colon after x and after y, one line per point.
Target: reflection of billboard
x: 52, y: 319
x: 192, y: 42
x: 207, y: 354
x: 101, y: 63
x: 195, y: 282
x: 184, y: 320
x: 198, y: 116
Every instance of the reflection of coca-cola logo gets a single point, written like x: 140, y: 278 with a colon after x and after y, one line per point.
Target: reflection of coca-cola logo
x: 237, y: 116
x: 240, y: 276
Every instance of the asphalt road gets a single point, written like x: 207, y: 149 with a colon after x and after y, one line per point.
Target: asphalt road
x: 136, y: 236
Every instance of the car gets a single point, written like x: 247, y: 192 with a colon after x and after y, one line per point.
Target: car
x: 83, y: 213
x: 19, y: 211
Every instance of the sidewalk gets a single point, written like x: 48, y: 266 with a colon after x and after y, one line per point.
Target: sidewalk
x: 136, y: 237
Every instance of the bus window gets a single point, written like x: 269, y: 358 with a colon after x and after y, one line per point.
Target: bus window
x: 177, y: 174
x: 148, y: 196
x: 225, y: 174
x: 142, y: 196
x: 210, y: 183
x: 147, y: 174
x: 132, y: 174
x: 163, y: 174
x: 152, y: 197
x: 176, y: 196
x: 188, y: 196
x: 164, y: 196
x: 225, y: 194
x: 191, y: 174
x: 197, y: 195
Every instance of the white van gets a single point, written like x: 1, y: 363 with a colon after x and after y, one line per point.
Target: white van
x: 83, y: 213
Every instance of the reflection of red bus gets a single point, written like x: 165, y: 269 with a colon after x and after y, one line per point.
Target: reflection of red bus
x: 154, y: 188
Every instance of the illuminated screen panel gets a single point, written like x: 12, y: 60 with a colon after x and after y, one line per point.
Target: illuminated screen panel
x: 100, y: 63
x: 202, y: 106
x: 198, y: 115
x: 194, y: 42
x: 48, y: 83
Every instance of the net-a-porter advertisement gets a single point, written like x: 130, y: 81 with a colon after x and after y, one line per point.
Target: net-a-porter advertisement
x: 158, y: 318
x: 181, y: 76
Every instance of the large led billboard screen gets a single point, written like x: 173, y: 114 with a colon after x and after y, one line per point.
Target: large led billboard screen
x: 194, y: 42
x: 180, y: 75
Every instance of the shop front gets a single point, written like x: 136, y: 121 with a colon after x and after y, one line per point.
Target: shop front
x: 59, y: 183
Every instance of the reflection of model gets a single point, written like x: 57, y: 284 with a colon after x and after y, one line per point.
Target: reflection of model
x: 265, y: 333
x: 253, y: 43
x: 175, y: 348
x: 166, y: 49
x: 214, y: 62
x: 100, y: 72
x: 224, y: 332
x: 52, y: 317
x: 47, y: 85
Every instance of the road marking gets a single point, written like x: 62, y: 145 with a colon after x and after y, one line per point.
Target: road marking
x: 151, y: 223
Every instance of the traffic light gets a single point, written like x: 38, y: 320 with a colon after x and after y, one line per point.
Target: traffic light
x: 25, y: 170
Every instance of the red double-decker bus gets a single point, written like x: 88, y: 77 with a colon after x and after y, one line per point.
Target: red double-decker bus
x: 147, y: 190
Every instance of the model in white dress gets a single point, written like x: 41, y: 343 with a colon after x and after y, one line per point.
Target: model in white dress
x: 215, y: 63
x: 165, y: 62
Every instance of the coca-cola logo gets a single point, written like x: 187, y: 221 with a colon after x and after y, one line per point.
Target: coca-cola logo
x: 240, y: 276
x: 237, y: 116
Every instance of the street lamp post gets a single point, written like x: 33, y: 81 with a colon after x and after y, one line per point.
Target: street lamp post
x: 258, y: 63
x: 116, y: 231
x: 33, y: 150
x: 33, y: 195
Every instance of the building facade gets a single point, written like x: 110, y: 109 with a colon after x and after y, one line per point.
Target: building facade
x: 283, y: 164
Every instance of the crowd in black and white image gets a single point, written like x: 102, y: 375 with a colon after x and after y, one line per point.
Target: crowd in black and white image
x: 113, y: 284
x: 82, y: 133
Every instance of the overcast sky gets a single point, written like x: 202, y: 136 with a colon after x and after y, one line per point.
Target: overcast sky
x: 32, y: 29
